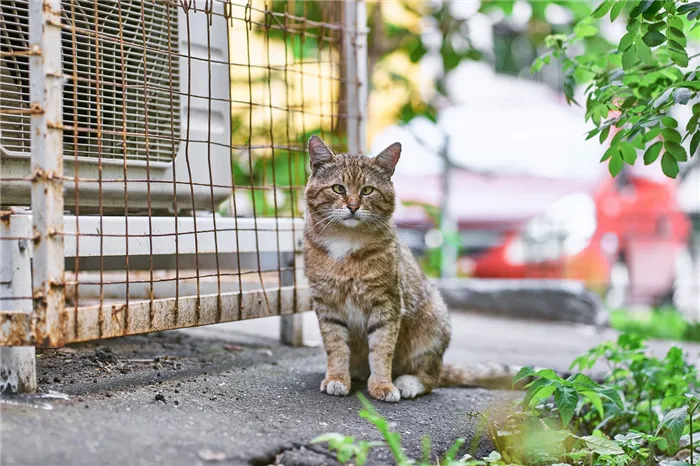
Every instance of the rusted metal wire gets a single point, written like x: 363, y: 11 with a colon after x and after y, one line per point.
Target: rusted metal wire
x: 181, y: 151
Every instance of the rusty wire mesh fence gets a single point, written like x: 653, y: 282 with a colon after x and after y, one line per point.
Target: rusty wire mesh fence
x: 158, y: 147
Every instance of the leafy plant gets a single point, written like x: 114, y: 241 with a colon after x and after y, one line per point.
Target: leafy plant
x: 569, y: 394
x: 348, y: 448
x: 643, y: 410
x: 632, y: 88
x: 665, y: 322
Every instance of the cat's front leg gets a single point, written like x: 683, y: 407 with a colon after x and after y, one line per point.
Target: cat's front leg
x: 382, y: 333
x: 334, y: 331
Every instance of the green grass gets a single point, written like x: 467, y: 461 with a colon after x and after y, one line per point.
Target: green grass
x: 664, y: 323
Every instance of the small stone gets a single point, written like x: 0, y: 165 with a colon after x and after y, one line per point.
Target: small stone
x: 177, y: 402
x: 57, y: 380
x: 208, y: 455
x: 160, y: 397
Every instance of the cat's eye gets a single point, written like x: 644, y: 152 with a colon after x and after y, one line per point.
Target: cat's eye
x: 338, y: 188
x: 366, y: 190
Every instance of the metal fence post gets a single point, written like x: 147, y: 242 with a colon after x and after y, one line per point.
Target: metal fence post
x: 46, y: 96
x: 17, y: 364
x: 291, y: 326
x: 355, y: 55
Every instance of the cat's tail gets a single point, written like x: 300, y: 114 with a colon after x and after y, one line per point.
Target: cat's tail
x: 488, y: 375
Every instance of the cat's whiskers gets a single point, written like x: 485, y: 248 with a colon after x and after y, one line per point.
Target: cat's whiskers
x: 329, y: 215
x: 332, y: 222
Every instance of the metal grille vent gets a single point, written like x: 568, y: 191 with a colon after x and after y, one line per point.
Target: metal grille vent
x: 14, y: 76
x: 122, y: 83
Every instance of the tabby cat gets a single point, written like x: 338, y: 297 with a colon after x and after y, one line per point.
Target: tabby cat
x: 381, y: 320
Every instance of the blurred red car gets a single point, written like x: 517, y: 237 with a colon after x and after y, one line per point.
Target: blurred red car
x: 620, y: 236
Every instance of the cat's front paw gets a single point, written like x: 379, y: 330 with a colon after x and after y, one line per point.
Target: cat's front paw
x: 335, y: 386
x: 384, y: 391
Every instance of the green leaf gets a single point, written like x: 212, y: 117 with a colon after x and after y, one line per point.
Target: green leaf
x: 626, y: 42
x: 640, y: 8
x: 660, y: 26
x: 652, y: 153
x: 524, y: 373
x: 548, y: 374
x: 679, y: 57
x: 592, y: 133
x: 612, y: 395
x: 629, y: 57
x: 418, y: 51
x: 633, y: 25
x: 608, y: 153
x: 566, y: 400
x: 669, y: 122
x: 616, y: 9
x: 604, y: 135
x: 671, y: 400
x: 629, y: 153
x: 690, y: 85
x: 585, y: 30
x: 675, y: 22
x: 694, y: 143
x: 676, y: 150
x: 671, y: 135
x: 615, y: 164
x: 669, y: 165
x: 652, y: 134
x: 650, y: 12
x: 534, y: 387
x: 582, y: 382
x: 538, y: 392
x: 678, y: 36
x: 537, y: 65
x: 672, y: 424
x: 595, y: 401
x: 454, y: 449
x: 602, y: 446
x: 602, y: 9
x: 643, y: 51
x: 654, y: 38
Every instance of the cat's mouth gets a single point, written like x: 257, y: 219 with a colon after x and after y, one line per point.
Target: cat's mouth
x: 350, y: 221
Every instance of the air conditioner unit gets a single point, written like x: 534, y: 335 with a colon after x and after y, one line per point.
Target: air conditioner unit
x: 165, y: 127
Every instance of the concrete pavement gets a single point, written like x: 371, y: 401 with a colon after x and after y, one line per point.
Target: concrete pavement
x: 230, y: 394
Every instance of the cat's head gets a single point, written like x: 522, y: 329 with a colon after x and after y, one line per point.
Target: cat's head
x: 349, y: 191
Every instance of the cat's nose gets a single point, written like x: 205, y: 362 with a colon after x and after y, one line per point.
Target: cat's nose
x: 353, y: 208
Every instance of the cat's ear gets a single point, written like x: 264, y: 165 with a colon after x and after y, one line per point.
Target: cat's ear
x: 389, y: 157
x: 319, y: 152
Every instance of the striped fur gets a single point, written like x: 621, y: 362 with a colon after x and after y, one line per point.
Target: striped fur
x: 381, y: 320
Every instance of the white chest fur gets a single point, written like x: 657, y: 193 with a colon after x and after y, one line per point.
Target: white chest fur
x: 340, y: 246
